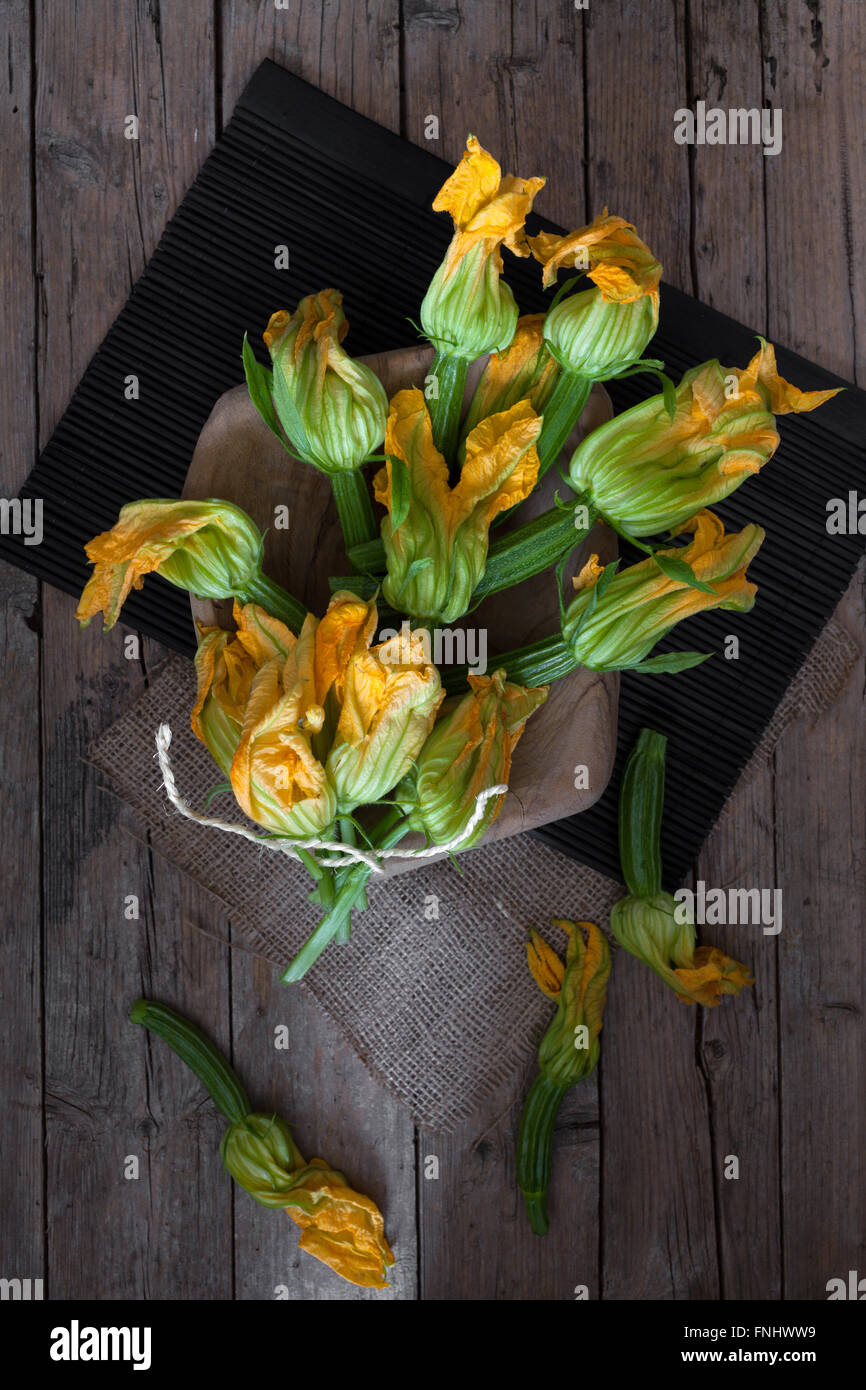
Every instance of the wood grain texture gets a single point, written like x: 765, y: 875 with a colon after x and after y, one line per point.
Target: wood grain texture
x: 21, y: 1062
x: 816, y: 56
x: 737, y: 1046
x: 102, y: 202
x: 639, y: 1202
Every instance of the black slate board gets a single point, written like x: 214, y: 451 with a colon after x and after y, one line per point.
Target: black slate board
x: 352, y: 202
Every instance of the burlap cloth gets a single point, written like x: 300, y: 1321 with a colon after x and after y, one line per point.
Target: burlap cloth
x: 433, y: 990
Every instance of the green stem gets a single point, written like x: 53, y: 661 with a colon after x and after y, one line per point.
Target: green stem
x: 561, y: 414
x: 199, y: 1053
x: 641, y: 803
x: 541, y: 662
x: 446, y: 407
x: 524, y: 552
x: 535, y: 1146
x: 347, y: 835
x: 354, y: 507
x: 275, y: 600
x: 529, y: 550
x: 350, y: 893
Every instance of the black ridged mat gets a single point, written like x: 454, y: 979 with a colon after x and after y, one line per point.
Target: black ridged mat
x: 352, y: 202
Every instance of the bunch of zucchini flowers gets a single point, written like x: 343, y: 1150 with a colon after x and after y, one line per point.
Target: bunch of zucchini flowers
x: 326, y: 735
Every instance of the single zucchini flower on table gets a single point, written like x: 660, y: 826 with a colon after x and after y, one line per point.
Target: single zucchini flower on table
x: 468, y: 310
x: 211, y: 548
x: 646, y: 472
x: 615, y: 620
x: 436, y: 536
x: 600, y: 332
x: 341, y: 1227
x: 332, y: 408
x: 649, y: 922
x: 469, y: 751
x: 568, y: 1052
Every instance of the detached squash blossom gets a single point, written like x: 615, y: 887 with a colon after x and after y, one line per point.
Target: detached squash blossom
x: 339, y: 403
x: 617, y: 629
x: 649, y: 922
x: 646, y: 473
x: 340, y: 1227
x: 468, y: 310
x: 569, y: 1050
x: 659, y: 932
x: 435, y: 536
x: 525, y: 371
x: 211, y: 548
x: 601, y: 330
x: 469, y: 750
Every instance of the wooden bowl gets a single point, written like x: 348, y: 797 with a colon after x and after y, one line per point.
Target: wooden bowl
x: 237, y: 458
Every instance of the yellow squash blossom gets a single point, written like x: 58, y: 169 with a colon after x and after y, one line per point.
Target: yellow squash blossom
x: 600, y: 331
x: 525, y: 371
x: 570, y: 1048
x: 641, y: 604
x: 647, y: 473
x: 436, y: 536
x: 469, y: 750
x: 649, y: 929
x: 211, y: 548
x: 225, y: 664
x: 340, y: 1227
x: 391, y: 696
x: 339, y: 403
x: 309, y: 727
x: 761, y: 377
x: 611, y: 252
x: 467, y: 310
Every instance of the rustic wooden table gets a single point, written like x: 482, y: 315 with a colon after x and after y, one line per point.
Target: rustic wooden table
x: 641, y: 1206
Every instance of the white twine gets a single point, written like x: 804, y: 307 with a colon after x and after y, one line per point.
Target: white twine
x: 338, y: 854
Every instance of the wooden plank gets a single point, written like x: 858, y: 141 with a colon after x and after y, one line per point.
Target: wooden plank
x: 658, y: 1239
x: 101, y: 203
x: 497, y: 80
x: 635, y: 80
x: 22, y: 1174
x: 815, y: 57
x: 737, y: 1044
x: 350, y: 51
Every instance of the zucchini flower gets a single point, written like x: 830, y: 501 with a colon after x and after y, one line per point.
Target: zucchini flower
x: 469, y: 750
x: 468, y: 310
x: 309, y: 727
x: 340, y: 1227
x: 436, y: 536
x: 211, y: 548
x: 568, y: 1052
x: 616, y: 628
x: 525, y: 371
x: 600, y: 331
x: 263, y: 1158
x: 389, y: 704
x: 331, y: 407
x: 647, y: 473
x: 649, y: 922
x: 648, y: 928
x: 225, y: 664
